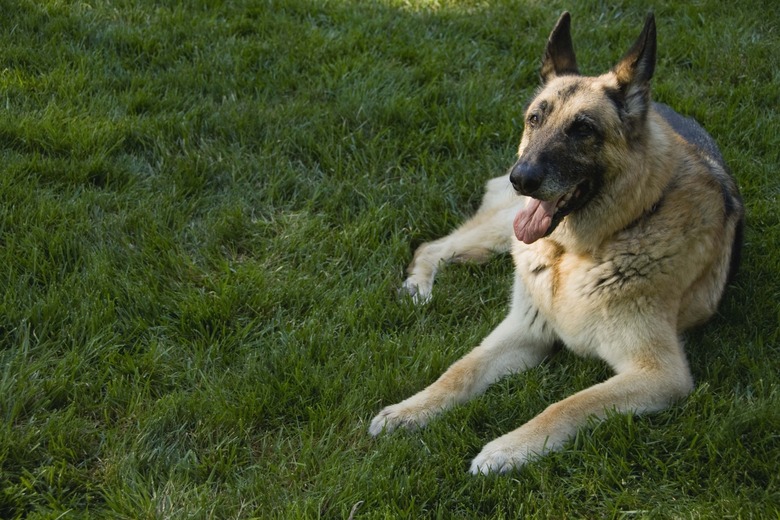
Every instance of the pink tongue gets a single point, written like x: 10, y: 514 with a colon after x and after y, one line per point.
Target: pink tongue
x: 533, y: 221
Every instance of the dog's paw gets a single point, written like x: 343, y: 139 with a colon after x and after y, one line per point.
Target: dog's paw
x: 419, y: 291
x: 499, y: 457
x: 397, y: 416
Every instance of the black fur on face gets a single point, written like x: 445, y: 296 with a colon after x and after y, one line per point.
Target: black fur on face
x: 562, y: 157
x: 573, y: 119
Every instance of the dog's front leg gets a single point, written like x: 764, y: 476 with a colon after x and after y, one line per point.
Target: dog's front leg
x: 503, y: 351
x: 485, y: 234
x: 519, y: 342
x: 648, y: 385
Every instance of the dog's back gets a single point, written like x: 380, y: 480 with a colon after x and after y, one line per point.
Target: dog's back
x: 689, y: 130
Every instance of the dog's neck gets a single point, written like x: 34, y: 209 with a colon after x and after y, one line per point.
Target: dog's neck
x: 627, y: 197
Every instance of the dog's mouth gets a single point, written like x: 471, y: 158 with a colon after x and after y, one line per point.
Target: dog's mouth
x: 539, y: 218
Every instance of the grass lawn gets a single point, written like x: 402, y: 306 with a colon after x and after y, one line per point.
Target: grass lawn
x: 205, y: 212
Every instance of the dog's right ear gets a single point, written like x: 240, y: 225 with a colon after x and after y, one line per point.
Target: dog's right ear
x: 636, y: 67
x: 559, y: 56
x: 635, y: 70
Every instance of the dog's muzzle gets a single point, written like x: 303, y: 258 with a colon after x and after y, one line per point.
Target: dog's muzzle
x: 526, y: 177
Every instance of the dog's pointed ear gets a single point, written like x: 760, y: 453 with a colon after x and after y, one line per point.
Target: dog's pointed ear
x: 635, y: 69
x: 559, y: 58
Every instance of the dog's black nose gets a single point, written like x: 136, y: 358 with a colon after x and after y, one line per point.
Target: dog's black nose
x: 526, y: 177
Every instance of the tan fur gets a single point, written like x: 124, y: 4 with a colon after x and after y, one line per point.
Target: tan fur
x: 486, y: 233
x: 618, y: 279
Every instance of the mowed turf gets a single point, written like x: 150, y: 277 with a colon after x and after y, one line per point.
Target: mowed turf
x: 205, y: 212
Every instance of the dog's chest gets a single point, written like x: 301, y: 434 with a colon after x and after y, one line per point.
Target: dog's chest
x: 551, y: 274
x: 574, y: 292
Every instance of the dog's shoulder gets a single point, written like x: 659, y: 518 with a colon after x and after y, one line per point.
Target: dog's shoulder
x: 691, y: 131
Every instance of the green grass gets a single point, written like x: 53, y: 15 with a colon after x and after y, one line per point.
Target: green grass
x: 205, y: 212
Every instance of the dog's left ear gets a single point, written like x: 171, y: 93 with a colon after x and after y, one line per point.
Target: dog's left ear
x: 635, y: 69
x: 559, y: 56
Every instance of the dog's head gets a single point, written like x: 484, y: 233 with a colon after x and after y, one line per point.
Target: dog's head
x: 574, y: 128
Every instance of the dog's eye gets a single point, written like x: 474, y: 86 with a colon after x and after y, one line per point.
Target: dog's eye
x: 581, y: 128
x: 533, y: 120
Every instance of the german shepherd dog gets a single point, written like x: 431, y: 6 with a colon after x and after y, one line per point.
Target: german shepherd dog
x: 624, y: 226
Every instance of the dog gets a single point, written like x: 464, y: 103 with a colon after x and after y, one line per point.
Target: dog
x: 625, y: 227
